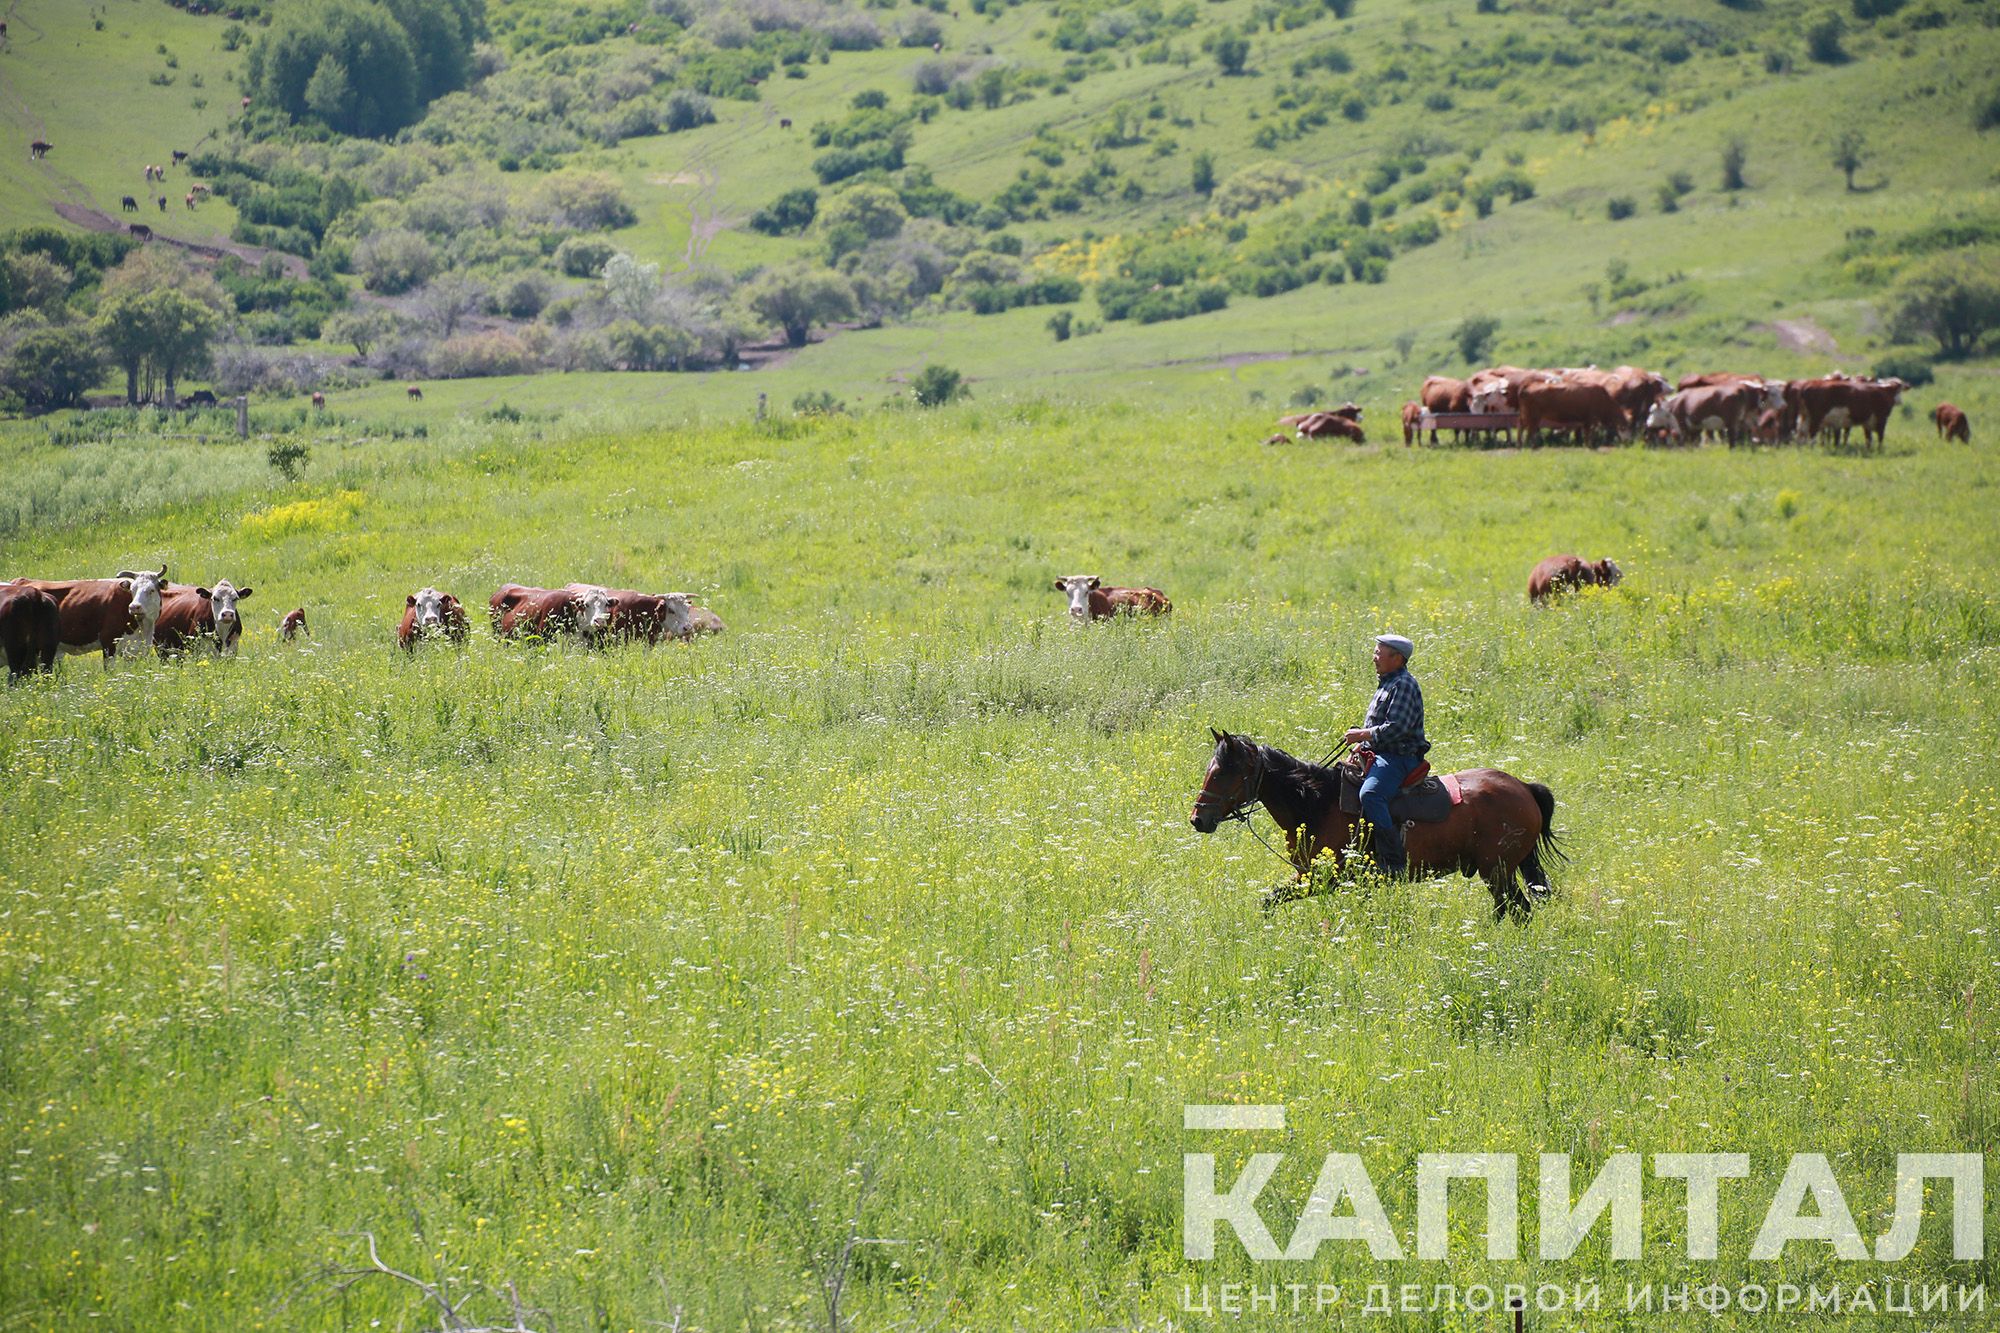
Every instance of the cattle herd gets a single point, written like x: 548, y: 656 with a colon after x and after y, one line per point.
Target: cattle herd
x: 141, y: 610
x: 1592, y: 405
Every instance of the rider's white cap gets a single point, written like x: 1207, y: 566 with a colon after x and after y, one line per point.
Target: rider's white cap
x: 1396, y: 643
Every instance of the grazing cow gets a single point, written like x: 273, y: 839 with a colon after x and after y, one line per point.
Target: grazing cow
x: 1322, y: 425
x: 162, y: 202
x: 188, y: 614
x: 430, y: 614
x: 701, y: 620
x: 784, y: 122
x: 318, y: 401
x: 581, y: 609
x: 1560, y: 573
x: 1730, y: 410
x: 1511, y: 379
x: 140, y: 231
x: 129, y: 205
x: 1413, y: 415
x: 1770, y: 427
x: 1951, y: 423
x: 293, y: 625
x: 246, y: 104
x: 39, y: 149
x: 645, y: 616
x: 1440, y: 394
x: 416, y: 394
x: 200, y: 191
x: 1089, y: 599
x: 189, y: 200
x: 30, y: 630
x: 179, y: 156
x: 98, y: 613
x: 1587, y: 407
x: 199, y: 398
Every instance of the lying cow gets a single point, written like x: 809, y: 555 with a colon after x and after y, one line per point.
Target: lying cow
x: 1089, y: 599
x: 30, y: 630
x: 102, y: 613
x: 701, y: 620
x: 646, y: 617
x: 1330, y: 425
x: 188, y: 614
x: 1951, y: 423
x: 1560, y: 573
x: 427, y: 614
x: 581, y: 609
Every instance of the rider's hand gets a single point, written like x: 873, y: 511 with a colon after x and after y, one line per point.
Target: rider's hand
x: 1357, y: 736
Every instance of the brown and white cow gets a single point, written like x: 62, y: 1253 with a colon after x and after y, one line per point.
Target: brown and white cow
x: 100, y: 613
x: 189, y: 613
x: 1951, y: 423
x: 1730, y: 410
x: 581, y: 609
x: 1330, y: 425
x: 1089, y: 599
x: 701, y: 620
x: 1560, y: 573
x: 427, y: 614
x: 1587, y: 407
x: 1832, y: 406
x: 647, y: 617
x: 293, y: 625
x: 30, y: 630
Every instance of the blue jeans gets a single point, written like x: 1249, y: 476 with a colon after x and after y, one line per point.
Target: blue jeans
x: 1384, y: 780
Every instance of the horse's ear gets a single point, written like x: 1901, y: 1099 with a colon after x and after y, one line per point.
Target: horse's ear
x: 1220, y: 736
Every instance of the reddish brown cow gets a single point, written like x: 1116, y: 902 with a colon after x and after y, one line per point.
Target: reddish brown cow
x: 1089, y: 599
x: 1951, y: 423
x: 416, y: 394
x: 1770, y: 427
x: 30, y: 630
x: 1729, y: 410
x: 428, y: 613
x: 1441, y: 393
x: 581, y: 609
x: 1833, y: 406
x: 1413, y: 415
x: 1559, y: 573
x: 293, y: 625
x: 647, y: 616
x: 188, y: 614
x: 97, y: 613
x: 1587, y: 407
x: 1321, y: 425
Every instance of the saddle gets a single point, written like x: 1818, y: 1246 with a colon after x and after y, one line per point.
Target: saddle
x: 1425, y: 797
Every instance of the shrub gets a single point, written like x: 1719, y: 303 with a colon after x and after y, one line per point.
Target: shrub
x: 1823, y: 39
x: 1059, y: 325
x: 1988, y: 114
x: 937, y: 385
x: 1620, y: 207
x: 792, y: 211
x: 584, y: 256
x: 289, y: 457
x: 392, y: 262
x: 1474, y: 336
x: 1954, y: 298
x: 1913, y: 368
x: 1734, y: 154
x: 685, y: 110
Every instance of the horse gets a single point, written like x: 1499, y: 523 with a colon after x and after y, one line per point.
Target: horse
x: 1498, y: 830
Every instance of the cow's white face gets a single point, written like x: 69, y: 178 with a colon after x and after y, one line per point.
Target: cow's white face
x: 1661, y: 417
x: 1771, y: 396
x: 145, y: 587
x: 1609, y: 573
x: 1077, y: 588
x: 1490, y: 398
x: 1895, y: 388
x: 593, y: 610
x: 674, y: 614
x: 222, y: 601
x: 429, y: 606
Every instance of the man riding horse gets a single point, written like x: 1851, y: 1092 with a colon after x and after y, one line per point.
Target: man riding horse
x: 1394, y: 731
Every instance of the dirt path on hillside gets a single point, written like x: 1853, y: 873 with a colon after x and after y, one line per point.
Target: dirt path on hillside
x: 1802, y: 335
x: 96, y: 219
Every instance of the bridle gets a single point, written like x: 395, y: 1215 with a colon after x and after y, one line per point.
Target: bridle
x: 1246, y: 805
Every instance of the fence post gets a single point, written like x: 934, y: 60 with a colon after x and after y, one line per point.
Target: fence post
x: 243, y: 418
x: 760, y: 407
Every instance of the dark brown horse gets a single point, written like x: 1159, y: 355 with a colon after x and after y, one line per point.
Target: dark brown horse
x: 1497, y: 831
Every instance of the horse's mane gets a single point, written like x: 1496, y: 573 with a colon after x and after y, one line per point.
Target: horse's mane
x: 1316, y: 784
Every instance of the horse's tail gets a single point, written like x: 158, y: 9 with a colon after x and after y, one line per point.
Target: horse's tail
x: 1546, y: 799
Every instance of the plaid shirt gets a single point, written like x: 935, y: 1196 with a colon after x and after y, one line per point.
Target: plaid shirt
x: 1396, y: 716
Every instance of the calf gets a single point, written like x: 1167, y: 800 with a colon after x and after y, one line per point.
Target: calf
x: 645, y: 616
x: 188, y: 614
x: 1413, y: 415
x: 293, y: 625
x: 581, y: 609
x: 701, y: 620
x: 30, y: 630
x: 1559, y: 573
x: 429, y: 614
x: 319, y: 401
x: 1089, y: 599
x: 101, y: 613
x: 1951, y: 423
x: 416, y: 394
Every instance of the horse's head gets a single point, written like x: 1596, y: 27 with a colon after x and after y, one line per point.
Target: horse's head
x: 1235, y: 776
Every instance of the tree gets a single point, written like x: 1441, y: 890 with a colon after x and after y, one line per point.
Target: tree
x: 631, y: 288
x: 392, y: 262
x: 937, y: 385
x: 53, y: 367
x: 159, y: 316
x: 1231, y: 51
x: 448, y: 298
x: 991, y: 87
x: 584, y: 201
x: 1059, y: 325
x: 798, y: 296
x: 1204, y: 173
x: 1474, y: 336
x: 1850, y: 151
x: 1734, y: 154
x: 359, y: 42
x: 362, y: 327
x: 1823, y: 39
x: 1955, y: 298
x: 328, y: 93
x: 874, y: 211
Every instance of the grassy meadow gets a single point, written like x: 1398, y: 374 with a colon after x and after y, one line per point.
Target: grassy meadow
x: 647, y: 980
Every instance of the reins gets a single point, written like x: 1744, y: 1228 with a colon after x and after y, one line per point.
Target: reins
x: 1254, y: 801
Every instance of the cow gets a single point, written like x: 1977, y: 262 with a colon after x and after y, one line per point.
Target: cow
x: 39, y: 149
x: 648, y: 617
x: 189, y: 200
x: 701, y: 620
x: 1559, y: 573
x: 190, y: 613
x: 1511, y: 379
x: 1587, y: 407
x: 1322, y: 425
x: 1089, y: 599
x: 1730, y: 410
x: 180, y: 156
x: 581, y: 609
x: 318, y: 401
x: 416, y: 394
x: 1441, y: 394
x: 293, y: 625
x: 1348, y: 411
x: 1634, y: 390
x: 1413, y: 415
x: 784, y: 122
x: 1770, y: 427
x: 199, y: 398
x: 429, y: 614
x: 30, y: 630
x: 1832, y: 406
x: 129, y: 205
x: 1951, y: 423
x: 140, y: 231
x: 162, y: 201
x: 99, y: 613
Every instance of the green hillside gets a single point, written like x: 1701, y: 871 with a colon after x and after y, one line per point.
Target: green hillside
x: 1418, y: 113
